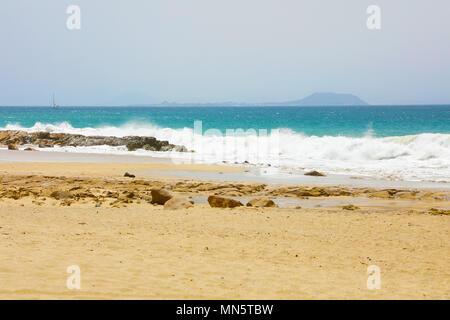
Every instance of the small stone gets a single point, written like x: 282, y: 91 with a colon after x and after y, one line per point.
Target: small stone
x: 350, y: 207
x: 128, y: 175
x: 315, y: 174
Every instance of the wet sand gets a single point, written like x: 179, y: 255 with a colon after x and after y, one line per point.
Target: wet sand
x: 128, y: 248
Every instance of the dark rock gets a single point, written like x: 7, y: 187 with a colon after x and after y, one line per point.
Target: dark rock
x: 128, y: 175
x: 149, y: 143
x: 149, y: 148
x: 46, y: 139
x: 43, y: 135
x: 315, y: 174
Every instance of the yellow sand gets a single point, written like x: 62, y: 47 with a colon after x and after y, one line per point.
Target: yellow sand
x: 142, y: 251
x: 102, y: 169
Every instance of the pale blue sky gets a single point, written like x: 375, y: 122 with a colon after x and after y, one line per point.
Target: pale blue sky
x: 140, y: 51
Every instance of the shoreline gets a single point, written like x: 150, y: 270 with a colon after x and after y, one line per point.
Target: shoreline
x: 417, y: 160
x: 180, y: 169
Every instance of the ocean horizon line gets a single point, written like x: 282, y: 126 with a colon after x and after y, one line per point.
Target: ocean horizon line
x: 225, y: 105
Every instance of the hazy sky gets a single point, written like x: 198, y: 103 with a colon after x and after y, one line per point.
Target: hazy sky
x: 140, y: 51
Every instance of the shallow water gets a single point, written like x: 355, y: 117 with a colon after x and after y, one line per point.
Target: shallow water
x: 255, y: 175
x: 292, y: 202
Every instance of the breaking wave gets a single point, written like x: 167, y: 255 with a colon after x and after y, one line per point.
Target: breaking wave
x: 423, y: 156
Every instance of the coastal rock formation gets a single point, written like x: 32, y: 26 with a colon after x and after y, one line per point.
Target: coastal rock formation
x: 178, y: 202
x: 305, y: 191
x: 261, y: 203
x: 47, y: 140
x: 161, y: 196
x: 221, y: 202
x: 121, y: 191
x: 437, y: 212
x: 383, y: 194
x: 219, y: 188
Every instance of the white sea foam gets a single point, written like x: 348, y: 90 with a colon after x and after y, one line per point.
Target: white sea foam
x: 415, y: 157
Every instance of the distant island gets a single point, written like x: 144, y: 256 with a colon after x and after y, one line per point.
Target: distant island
x: 315, y: 99
x: 328, y: 99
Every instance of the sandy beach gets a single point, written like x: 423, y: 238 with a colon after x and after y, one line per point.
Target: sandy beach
x: 127, y: 248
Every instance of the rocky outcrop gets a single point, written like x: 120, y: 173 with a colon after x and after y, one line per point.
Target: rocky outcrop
x: 437, y: 212
x: 160, y: 196
x: 120, y: 192
x: 47, y: 140
x: 261, y: 203
x: 221, y: 202
x: 178, y: 202
x: 306, y: 191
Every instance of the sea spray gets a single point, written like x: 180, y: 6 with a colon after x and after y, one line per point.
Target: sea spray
x: 423, y: 156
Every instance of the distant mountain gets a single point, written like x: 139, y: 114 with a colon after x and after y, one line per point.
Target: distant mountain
x: 327, y: 99
x: 316, y: 99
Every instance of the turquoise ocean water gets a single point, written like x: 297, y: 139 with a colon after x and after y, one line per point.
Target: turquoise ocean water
x: 382, y: 121
x: 397, y: 142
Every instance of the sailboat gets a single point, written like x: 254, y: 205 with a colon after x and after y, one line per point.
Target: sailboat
x: 54, y: 105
